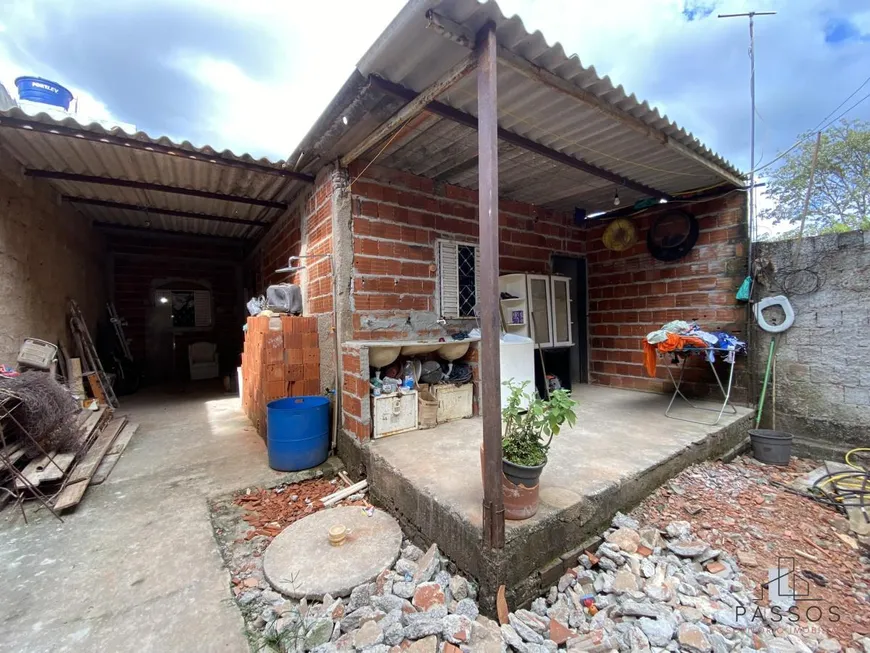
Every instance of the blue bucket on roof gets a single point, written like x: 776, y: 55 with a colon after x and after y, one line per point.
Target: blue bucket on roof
x: 297, y: 432
x: 37, y: 89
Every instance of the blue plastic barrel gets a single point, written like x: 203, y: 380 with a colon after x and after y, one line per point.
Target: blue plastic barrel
x: 297, y: 432
x: 37, y: 89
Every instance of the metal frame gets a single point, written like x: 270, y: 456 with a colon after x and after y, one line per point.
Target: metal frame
x: 6, y: 413
x: 157, y: 211
x: 726, y: 391
x: 143, y: 185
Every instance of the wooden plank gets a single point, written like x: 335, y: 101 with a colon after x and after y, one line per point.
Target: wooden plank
x: 80, y: 477
x: 88, y: 465
x: 114, y: 454
x: 96, y: 388
x: 124, y: 437
x: 70, y: 496
x: 412, y: 108
x: 14, y: 457
x: 105, y: 468
x: 42, y: 469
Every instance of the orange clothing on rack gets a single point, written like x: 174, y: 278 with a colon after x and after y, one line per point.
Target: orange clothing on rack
x: 674, y: 342
x: 649, y: 358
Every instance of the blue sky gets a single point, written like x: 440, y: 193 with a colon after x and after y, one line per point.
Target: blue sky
x: 253, y: 76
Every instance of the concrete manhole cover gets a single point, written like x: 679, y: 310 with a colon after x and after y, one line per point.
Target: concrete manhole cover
x: 300, y: 561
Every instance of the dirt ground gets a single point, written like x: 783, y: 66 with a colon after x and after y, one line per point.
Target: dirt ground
x: 735, y: 507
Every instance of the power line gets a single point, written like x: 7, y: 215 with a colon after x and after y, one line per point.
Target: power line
x: 822, y: 126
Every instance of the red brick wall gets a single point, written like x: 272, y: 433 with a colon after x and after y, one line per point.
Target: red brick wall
x: 631, y: 294
x: 138, y: 261
x: 305, y: 229
x: 397, y: 219
x: 355, y: 397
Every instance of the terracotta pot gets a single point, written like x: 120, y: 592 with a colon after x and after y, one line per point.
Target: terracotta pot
x: 520, y: 501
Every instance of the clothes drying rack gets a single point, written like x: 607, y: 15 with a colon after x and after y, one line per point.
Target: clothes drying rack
x: 683, y: 355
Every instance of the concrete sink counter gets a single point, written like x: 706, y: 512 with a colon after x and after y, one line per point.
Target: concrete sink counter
x: 384, y: 352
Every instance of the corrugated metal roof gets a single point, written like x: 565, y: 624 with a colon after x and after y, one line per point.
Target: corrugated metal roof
x: 56, y: 152
x: 622, y: 135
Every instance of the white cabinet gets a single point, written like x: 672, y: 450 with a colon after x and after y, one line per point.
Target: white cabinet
x: 540, y: 309
x: 537, y: 306
x: 560, y: 292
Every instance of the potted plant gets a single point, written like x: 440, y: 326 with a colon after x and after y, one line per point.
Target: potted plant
x: 528, y: 426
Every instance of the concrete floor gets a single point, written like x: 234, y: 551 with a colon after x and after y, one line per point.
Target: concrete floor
x: 619, y: 434
x: 621, y: 448
x: 136, y: 566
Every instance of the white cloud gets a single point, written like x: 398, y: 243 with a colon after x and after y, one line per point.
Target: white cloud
x: 696, y: 71
x: 321, y: 44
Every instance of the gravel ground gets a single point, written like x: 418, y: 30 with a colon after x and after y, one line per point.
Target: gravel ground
x: 735, y: 508
x: 655, y: 585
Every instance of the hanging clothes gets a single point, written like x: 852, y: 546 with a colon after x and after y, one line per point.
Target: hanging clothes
x: 672, y: 342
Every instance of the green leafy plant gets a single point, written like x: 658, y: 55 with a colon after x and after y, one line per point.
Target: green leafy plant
x: 528, y: 432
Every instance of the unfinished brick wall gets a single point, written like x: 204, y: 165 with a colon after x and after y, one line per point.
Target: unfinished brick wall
x: 141, y: 262
x: 397, y: 220
x: 48, y: 254
x: 356, y: 418
x: 631, y: 294
x: 304, y: 230
x: 281, y: 359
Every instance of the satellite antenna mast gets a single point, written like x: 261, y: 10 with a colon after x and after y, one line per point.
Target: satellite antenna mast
x: 752, y: 222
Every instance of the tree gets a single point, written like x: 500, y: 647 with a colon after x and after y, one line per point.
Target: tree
x: 840, y: 197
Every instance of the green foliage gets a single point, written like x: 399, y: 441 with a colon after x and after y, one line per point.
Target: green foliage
x: 840, y: 197
x: 523, y: 441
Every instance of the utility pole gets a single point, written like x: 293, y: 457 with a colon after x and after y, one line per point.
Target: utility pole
x: 752, y: 222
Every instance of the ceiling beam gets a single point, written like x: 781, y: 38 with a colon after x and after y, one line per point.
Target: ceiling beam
x: 111, y: 226
x: 416, y: 104
x: 148, y: 209
x: 142, y: 185
x: 150, y: 146
x: 468, y: 120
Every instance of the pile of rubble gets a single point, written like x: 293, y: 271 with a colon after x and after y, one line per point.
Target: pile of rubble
x: 640, y: 590
x: 744, y: 508
x: 271, y: 510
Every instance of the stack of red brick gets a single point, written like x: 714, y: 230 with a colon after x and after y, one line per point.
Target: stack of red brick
x: 281, y: 359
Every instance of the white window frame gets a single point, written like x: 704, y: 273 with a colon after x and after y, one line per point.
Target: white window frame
x: 447, y: 256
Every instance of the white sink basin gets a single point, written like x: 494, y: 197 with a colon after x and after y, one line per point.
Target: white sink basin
x: 383, y: 356
x: 453, y: 350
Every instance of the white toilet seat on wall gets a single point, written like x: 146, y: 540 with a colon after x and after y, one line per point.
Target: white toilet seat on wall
x: 767, y: 302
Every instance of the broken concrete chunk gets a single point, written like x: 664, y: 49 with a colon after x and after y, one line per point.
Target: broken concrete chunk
x: 427, y: 565
x: 457, y: 628
x: 627, y: 539
x: 687, y: 548
x: 692, y: 638
x: 679, y: 530
x: 658, y: 631
x: 621, y: 520
x: 524, y: 631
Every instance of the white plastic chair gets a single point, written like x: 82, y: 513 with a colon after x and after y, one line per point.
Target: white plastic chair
x: 203, y: 359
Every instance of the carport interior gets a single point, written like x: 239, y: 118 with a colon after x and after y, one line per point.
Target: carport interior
x: 157, y: 229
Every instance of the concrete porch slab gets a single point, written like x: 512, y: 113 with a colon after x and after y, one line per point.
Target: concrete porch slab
x: 621, y: 448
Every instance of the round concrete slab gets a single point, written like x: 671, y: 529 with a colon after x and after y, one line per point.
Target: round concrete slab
x: 300, y: 561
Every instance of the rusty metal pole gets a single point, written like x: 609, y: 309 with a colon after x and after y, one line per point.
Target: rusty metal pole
x: 488, y: 295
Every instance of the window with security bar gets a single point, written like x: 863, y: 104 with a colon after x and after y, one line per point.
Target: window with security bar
x: 458, y: 279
